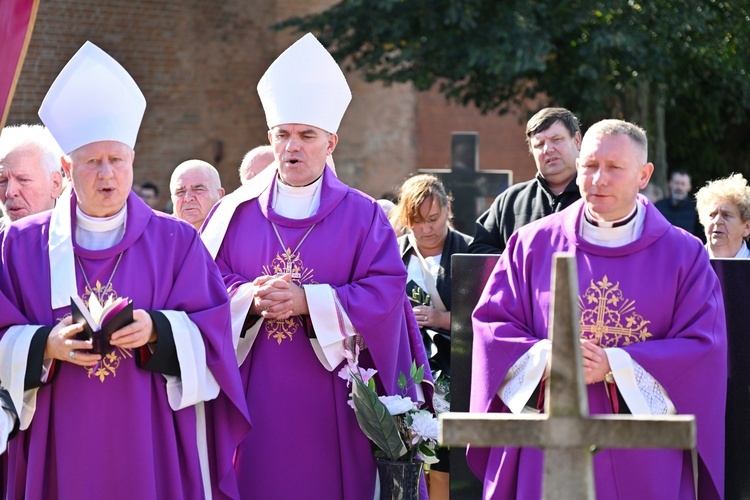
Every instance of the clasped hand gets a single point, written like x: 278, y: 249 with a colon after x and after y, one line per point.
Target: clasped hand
x: 277, y: 297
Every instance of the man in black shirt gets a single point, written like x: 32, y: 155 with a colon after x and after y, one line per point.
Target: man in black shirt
x: 679, y: 209
x: 554, y: 139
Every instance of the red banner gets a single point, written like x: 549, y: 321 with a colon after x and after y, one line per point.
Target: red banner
x: 16, y: 23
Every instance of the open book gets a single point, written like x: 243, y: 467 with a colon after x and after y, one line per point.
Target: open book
x: 100, y: 321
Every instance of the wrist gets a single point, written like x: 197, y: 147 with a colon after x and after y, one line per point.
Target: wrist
x: 299, y: 302
x: 447, y: 320
x: 254, y: 310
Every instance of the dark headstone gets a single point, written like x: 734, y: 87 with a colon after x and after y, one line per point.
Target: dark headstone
x: 469, y: 185
x: 734, y: 275
x: 469, y: 273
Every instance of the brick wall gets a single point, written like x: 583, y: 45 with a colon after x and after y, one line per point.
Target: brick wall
x: 198, y: 63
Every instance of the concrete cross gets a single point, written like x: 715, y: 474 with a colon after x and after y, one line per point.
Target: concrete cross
x: 566, y: 432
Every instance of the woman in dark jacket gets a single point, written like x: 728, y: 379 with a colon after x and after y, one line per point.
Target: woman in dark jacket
x: 424, y: 209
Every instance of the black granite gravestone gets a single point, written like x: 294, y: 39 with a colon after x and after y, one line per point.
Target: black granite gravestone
x: 469, y: 185
x: 734, y: 275
x: 469, y: 273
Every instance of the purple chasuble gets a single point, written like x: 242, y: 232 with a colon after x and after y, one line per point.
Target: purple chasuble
x: 659, y: 300
x: 110, y: 432
x: 306, y: 442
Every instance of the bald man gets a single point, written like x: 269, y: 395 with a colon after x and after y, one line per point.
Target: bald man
x: 195, y: 188
x: 255, y: 161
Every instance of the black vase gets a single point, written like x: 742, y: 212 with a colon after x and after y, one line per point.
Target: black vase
x: 399, y: 480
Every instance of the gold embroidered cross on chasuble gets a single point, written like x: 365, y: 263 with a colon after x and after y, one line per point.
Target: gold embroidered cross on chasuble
x: 610, y: 318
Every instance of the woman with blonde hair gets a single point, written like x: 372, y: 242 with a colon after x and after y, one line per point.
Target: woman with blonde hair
x: 724, y: 211
x: 424, y: 210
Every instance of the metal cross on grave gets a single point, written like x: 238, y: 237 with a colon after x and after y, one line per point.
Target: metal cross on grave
x: 565, y: 431
x: 469, y: 185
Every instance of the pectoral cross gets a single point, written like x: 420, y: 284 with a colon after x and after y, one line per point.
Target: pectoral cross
x: 289, y: 267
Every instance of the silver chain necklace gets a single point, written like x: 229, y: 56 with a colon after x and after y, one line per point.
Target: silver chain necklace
x: 99, y: 291
x: 287, y: 254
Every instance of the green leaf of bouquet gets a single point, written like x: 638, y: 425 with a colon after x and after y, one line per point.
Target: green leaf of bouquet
x: 419, y: 376
x: 375, y: 421
x: 401, y: 380
x: 424, y: 449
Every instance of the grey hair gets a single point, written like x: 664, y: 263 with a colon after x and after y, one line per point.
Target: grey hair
x: 35, y: 137
x: 733, y: 189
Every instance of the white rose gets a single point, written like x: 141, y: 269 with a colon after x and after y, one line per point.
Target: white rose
x: 424, y: 425
x: 397, y: 405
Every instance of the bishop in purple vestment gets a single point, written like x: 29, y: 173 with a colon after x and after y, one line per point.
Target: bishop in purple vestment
x: 310, y: 264
x: 160, y: 414
x: 652, y: 324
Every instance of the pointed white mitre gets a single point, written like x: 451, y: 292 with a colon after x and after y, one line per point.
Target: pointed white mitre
x: 305, y: 85
x: 93, y: 99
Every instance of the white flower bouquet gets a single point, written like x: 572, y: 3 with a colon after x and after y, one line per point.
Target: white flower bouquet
x: 395, y: 424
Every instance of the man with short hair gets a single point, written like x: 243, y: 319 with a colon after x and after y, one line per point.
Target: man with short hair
x: 30, y: 178
x: 195, y: 187
x: 149, y: 193
x: 554, y: 138
x: 297, y: 301
x: 138, y: 417
x: 653, y: 333
x: 255, y: 161
x: 679, y: 209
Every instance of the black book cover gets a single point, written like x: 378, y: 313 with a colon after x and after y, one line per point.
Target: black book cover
x: 417, y: 295
x: 100, y: 336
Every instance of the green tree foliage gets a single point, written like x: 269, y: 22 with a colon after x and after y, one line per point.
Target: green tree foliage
x: 681, y: 68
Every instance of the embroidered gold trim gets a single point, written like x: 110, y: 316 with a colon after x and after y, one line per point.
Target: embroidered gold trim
x: 109, y: 364
x: 291, y: 262
x: 609, y: 318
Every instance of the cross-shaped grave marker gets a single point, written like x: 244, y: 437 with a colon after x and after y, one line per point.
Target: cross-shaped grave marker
x: 468, y: 184
x: 565, y: 431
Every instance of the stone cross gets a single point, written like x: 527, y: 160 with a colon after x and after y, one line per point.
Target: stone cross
x: 565, y: 431
x: 468, y: 184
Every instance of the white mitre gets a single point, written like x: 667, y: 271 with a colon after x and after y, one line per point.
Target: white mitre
x: 305, y: 85
x: 93, y: 99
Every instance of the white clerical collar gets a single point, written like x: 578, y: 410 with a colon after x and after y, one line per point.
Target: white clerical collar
x: 101, y: 224
x: 98, y: 233
x: 613, y: 233
x: 589, y: 216
x: 297, y: 202
x: 743, y: 253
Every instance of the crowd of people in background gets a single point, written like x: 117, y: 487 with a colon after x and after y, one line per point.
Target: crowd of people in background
x: 224, y: 289
x: 553, y: 136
